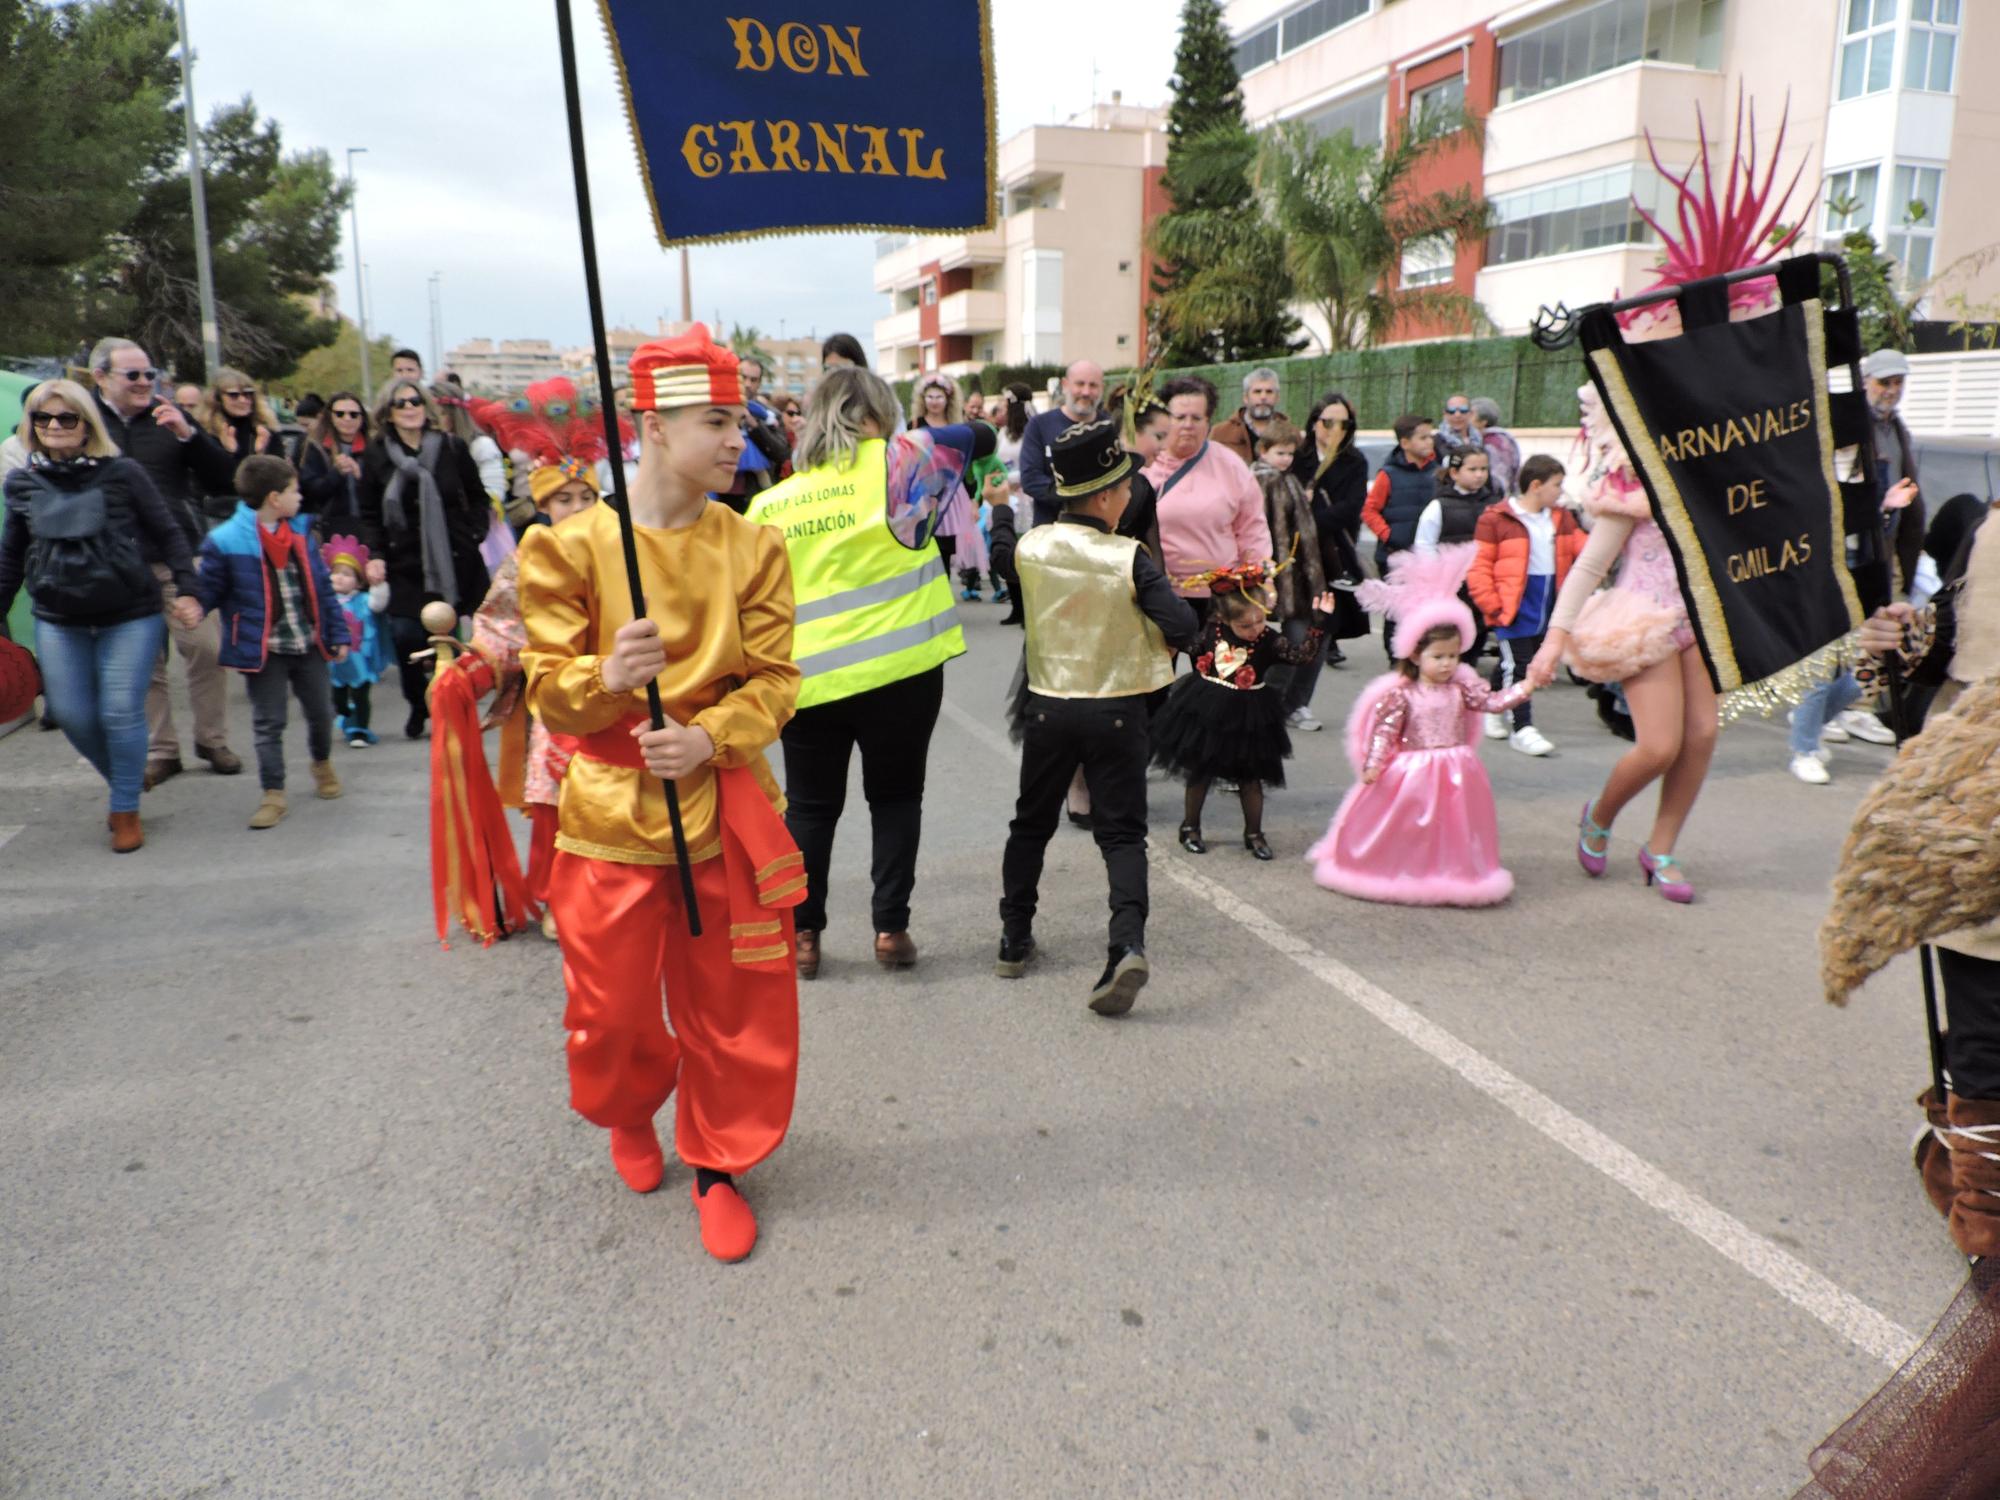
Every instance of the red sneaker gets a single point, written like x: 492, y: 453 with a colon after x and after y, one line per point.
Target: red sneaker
x: 728, y: 1228
x: 635, y: 1152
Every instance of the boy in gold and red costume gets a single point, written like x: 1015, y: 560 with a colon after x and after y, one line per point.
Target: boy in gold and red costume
x: 717, y: 637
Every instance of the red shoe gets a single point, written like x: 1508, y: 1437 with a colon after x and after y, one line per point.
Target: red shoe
x: 728, y: 1228
x: 635, y: 1152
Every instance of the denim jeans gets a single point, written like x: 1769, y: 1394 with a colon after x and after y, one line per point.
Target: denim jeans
x: 1820, y: 706
x: 95, y: 679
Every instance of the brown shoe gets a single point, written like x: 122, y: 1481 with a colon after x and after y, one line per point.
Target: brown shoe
x: 269, y: 811
x: 221, y: 759
x: 326, y: 784
x: 1974, y: 1138
x: 158, y: 771
x: 894, y: 950
x: 126, y: 834
x: 807, y: 945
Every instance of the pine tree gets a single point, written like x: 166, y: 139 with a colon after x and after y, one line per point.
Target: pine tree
x: 1208, y: 97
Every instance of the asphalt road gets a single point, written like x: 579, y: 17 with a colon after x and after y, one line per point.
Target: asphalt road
x: 1585, y: 1196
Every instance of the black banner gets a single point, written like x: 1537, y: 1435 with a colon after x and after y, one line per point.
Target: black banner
x: 1730, y: 428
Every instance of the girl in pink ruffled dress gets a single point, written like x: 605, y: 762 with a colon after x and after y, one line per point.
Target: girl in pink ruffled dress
x: 1419, y: 828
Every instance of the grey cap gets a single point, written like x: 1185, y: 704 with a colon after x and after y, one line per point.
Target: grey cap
x: 1884, y: 363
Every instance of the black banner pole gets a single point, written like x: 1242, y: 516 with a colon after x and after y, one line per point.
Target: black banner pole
x: 566, y: 37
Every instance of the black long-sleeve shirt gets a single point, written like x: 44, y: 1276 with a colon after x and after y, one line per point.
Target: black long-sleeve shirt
x: 1157, y: 599
x: 180, y: 471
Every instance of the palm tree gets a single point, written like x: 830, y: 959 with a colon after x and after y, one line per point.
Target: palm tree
x: 748, y: 343
x: 1331, y: 219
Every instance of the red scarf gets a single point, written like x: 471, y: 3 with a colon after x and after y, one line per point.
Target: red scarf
x: 280, y: 546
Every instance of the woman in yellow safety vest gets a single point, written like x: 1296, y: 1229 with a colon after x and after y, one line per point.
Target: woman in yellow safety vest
x: 875, y: 623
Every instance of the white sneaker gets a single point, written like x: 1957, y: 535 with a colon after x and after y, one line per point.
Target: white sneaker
x: 1530, y: 741
x: 1865, y: 726
x: 1810, y: 769
x: 1496, y: 726
x: 1302, y: 719
x: 1830, y: 733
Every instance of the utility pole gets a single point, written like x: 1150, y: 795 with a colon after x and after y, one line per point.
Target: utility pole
x: 204, y: 269
x: 360, y: 285
x: 687, y: 289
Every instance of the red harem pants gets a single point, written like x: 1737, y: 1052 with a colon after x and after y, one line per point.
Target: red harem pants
x: 734, y: 1046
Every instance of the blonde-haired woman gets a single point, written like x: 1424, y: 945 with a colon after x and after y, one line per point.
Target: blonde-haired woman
x: 875, y: 625
x: 423, y: 512
x: 82, y: 530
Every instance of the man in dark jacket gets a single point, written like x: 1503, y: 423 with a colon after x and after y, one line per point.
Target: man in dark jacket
x: 177, y: 456
x: 1083, y: 390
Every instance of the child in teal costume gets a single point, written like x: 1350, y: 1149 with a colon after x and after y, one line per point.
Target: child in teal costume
x: 349, y: 564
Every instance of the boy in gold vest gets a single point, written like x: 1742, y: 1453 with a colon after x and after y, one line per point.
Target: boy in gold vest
x: 1101, y: 617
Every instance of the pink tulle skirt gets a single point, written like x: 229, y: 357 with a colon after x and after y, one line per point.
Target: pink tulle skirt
x: 1621, y: 632
x: 1424, y: 835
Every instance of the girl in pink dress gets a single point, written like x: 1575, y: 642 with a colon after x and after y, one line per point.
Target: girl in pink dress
x: 1419, y: 828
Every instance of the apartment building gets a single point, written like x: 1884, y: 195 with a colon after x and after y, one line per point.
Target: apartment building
x: 1064, y: 276
x: 1883, y: 129
x: 490, y: 368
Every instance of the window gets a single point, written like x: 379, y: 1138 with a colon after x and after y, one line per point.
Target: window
x: 1437, y: 99
x: 1868, y: 50
x: 1318, y: 18
x: 1428, y: 262
x: 1913, y: 217
x: 1579, y: 213
x: 927, y: 357
x: 1933, y: 45
x: 930, y: 294
x: 1854, y: 192
x: 1360, y: 116
x: 1610, y: 35
x: 1258, y: 48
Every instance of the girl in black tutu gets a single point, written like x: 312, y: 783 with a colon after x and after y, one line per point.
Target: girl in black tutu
x: 1221, y: 721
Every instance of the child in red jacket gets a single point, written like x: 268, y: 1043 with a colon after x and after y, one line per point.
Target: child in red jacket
x: 1526, y: 544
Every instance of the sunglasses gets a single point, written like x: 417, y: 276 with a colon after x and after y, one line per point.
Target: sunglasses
x: 233, y: 395
x: 1335, y: 422
x: 140, y: 377
x: 402, y: 403
x: 62, y: 421
x: 1457, y: 411
x: 349, y: 416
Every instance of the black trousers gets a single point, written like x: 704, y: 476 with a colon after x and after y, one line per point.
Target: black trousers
x: 1107, y: 737
x: 1515, y: 654
x: 408, y: 636
x: 892, y: 727
x: 351, y: 704
x: 303, y: 675
x: 1972, y: 1005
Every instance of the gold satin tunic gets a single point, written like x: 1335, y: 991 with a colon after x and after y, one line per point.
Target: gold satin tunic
x: 721, y: 592
x: 1087, y: 636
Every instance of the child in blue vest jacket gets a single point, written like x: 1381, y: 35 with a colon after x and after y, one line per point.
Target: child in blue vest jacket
x: 280, y: 625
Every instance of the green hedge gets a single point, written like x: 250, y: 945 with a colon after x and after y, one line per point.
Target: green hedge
x: 1534, y: 388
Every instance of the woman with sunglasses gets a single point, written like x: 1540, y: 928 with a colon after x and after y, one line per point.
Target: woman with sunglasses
x: 423, y: 512
x: 1335, y: 474
x: 82, y: 531
x: 330, y: 464
x: 235, y: 414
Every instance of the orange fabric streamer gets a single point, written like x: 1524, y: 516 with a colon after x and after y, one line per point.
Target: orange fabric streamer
x: 475, y: 871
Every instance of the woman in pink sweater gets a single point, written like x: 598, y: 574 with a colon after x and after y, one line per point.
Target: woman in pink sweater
x: 1211, y: 512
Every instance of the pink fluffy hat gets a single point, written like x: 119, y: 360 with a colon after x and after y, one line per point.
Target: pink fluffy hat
x: 1420, y: 592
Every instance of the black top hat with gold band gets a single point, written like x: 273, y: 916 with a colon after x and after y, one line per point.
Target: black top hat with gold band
x: 1087, y: 458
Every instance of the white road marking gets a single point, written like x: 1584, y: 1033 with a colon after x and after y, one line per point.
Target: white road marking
x: 1787, y: 1275
x: 8, y: 830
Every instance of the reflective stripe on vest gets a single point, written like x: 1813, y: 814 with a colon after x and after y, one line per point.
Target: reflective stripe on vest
x: 868, y: 611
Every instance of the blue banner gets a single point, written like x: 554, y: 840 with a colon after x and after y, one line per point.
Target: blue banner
x: 784, y: 116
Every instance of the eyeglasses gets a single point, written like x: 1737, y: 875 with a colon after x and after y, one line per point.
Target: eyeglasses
x: 139, y: 377
x: 62, y: 421
x: 233, y: 395
x: 346, y: 416
x: 402, y: 403
x: 1456, y: 411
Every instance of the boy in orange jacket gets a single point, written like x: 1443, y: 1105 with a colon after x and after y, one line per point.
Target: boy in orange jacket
x: 1526, y: 545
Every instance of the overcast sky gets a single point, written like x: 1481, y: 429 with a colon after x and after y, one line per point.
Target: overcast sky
x: 459, y: 103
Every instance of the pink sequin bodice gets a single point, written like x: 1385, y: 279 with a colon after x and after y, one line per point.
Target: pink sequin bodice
x: 1437, y: 717
x: 1647, y: 568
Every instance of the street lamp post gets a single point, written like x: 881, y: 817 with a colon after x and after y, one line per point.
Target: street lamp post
x: 360, y: 287
x: 204, y: 269
x: 437, y: 323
